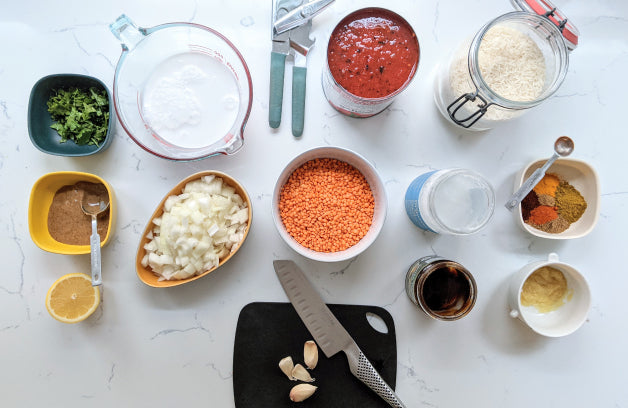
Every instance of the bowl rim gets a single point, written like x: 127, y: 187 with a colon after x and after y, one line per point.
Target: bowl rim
x: 560, y: 236
x: 94, y: 149
x: 69, y: 249
x: 362, y: 245
x: 145, y: 274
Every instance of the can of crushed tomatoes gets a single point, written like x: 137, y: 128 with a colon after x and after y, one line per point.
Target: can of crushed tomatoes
x: 372, y: 56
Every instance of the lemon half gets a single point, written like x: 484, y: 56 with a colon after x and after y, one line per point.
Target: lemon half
x: 72, y: 298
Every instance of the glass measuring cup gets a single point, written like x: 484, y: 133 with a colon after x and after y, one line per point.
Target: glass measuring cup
x: 182, y: 91
x: 468, y: 87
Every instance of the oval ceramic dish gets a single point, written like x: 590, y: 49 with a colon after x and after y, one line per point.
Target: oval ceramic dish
x: 374, y: 181
x: 43, y: 192
x: 145, y: 274
x: 580, y: 175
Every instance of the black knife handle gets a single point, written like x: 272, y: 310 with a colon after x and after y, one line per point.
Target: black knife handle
x: 362, y: 368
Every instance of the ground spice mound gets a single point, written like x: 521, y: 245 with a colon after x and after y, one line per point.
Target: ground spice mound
x: 542, y: 214
x: 529, y: 202
x: 67, y: 223
x: 545, y: 199
x: 555, y: 226
x: 571, y: 205
x: 553, y: 205
x: 326, y: 205
x: 548, y: 185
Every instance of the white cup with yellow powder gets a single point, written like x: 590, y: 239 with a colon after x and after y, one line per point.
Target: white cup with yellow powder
x: 551, y: 297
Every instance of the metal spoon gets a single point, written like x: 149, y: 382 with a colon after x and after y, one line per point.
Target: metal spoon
x: 94, y: 205
x: 562, y: 147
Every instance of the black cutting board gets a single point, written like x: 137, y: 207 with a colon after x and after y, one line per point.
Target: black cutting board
x: 268, y: 332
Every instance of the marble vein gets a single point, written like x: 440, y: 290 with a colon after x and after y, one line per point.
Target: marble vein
x: 217, y: 370
x: 395, y: 299
x: 343, y: 270
x: 112, y: 374
x: 86, y: 52
x: 198, y: 326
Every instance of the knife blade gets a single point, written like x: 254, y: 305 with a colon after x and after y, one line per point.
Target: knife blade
x: 327, y: 331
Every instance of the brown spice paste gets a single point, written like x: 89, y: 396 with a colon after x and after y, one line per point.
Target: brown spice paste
x: 67, y: 223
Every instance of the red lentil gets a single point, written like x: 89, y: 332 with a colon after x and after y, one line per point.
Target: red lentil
x: 326, y: 205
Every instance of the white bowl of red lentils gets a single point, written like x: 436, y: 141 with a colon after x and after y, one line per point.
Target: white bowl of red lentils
x: 329, y: 204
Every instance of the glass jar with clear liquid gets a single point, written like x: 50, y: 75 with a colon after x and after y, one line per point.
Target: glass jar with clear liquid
x: 514, y: 63
x: 450, y: 201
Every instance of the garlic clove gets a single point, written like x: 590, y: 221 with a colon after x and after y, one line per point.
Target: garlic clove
x: 286, y: 365
x: 301, y: 392
x: 300, y: 373
x: 310, y: 354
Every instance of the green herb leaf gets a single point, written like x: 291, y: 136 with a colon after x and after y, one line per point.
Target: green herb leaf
x: 81, y: 115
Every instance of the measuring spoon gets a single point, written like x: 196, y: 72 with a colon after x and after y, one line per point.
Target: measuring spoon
x: 562, y: 148
x: 94, y: 205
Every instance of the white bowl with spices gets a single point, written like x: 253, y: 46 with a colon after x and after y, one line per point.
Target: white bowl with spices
x: 584, y: 180
x: 55, y: 220
x: 310, y: 215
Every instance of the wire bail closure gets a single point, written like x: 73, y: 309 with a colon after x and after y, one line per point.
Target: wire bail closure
x: 560, y: 23
x: 475, y: 116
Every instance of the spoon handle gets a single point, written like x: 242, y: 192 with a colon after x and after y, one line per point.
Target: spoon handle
x: 94, y: 242
x: 529, y: 184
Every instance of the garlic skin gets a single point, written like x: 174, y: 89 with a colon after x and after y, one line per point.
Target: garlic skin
x: 301, y: 392
x: 287, y: 366
x: 310, y: 354
x: 300, y: 373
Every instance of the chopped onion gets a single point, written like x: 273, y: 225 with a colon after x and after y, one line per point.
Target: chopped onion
x: 198, y: 229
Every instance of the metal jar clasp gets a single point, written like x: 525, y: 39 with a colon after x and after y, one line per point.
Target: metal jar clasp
x: 472, y: 118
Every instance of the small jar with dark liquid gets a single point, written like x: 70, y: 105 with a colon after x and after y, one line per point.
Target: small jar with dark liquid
x: 443, y: 289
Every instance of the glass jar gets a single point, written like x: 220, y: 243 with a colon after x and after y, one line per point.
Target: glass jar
x: 450, y: 201
x: 442, y: 289
x: 512, y: 64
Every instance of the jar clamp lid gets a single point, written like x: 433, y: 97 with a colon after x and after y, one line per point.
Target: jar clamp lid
x: 546, y: 8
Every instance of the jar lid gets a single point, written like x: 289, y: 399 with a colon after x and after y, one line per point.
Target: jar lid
x: 546, y: 8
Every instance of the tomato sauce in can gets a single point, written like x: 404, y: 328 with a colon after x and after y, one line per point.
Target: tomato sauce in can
x: 372, y: 55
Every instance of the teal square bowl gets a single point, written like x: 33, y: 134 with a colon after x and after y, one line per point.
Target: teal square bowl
x: 46, y: 138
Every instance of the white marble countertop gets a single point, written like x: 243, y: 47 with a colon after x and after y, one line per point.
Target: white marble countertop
x: 158, y: 347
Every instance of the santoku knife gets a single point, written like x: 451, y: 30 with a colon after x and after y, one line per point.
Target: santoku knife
x: 327, y: 331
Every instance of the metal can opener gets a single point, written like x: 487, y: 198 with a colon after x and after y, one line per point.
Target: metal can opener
x: 292, y: 22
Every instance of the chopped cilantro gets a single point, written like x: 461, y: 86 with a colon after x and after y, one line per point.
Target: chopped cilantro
x: 81, y: 115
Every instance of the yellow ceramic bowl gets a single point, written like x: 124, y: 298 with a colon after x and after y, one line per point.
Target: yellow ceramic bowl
x: 42, y: 194
x: 145, y: 274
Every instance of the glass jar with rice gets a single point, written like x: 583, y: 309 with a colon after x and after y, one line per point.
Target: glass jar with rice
x: 513, y: 63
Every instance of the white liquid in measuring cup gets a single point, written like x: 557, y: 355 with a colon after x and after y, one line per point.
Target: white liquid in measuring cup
x: 190, y: 100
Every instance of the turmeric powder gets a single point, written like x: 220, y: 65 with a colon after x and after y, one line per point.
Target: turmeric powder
x: 548, y: 185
